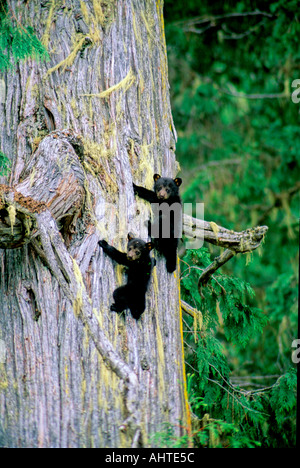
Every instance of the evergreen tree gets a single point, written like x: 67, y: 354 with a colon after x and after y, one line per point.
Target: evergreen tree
x: 232, y: 66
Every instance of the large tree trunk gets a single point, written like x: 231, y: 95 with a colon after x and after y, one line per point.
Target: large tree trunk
x: 79, y: 130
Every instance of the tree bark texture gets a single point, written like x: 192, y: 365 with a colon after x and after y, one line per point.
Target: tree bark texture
x: 79, y: 129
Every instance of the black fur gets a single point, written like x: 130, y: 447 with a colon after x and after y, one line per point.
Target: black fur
x: 139, y: 266
x: 166, y: 190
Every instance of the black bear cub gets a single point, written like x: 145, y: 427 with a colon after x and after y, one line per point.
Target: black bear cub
x: 167, y: 225
x: 139, y: 266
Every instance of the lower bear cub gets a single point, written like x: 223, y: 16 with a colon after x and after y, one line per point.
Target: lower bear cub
x: 139, y: 266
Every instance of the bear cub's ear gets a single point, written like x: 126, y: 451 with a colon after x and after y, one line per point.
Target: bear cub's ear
x: 130, y: 236
x: 178, y: 181
x: 149, y: 245
x: 156, y: 177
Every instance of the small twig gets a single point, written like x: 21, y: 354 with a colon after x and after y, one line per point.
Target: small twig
x: 284, y: 94
x: 190, y: 267
x: 213, y: 19
x: 215, y: 163
x: 227, y: 391
x: 234, y: 397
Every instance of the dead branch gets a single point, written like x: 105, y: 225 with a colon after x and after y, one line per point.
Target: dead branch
x: 234, y: 242
x: 191, y: 311
x: 186, y: 23
x: 217, y: 263
x: 238, y: 242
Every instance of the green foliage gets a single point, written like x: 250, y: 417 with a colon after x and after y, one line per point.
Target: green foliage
x: 283, y: 404
x: 226, y: 315
x: 219, y: 434
x: 225, y: 295
x: 240, y: 156
x: 16, y: 41
x: 167, y: 438
x: 4, y: 164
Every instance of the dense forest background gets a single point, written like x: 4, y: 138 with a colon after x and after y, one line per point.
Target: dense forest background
x: 231, y: 71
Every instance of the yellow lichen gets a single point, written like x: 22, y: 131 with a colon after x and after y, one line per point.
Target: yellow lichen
x: 83, y: 389
x: 66, y: 379
x: 78, y: 302
x: 119, y: 274
x: 249, y: 256
x: 74, y: 107
x: 123, y: 84
x: 98, y: 12
x: 85, y: 12
x: 71, y: 57
x: 35, y: 143
x: 95, y: 160
x: 135, y: 30
x: 12, y: 217
x: 149, y: 24
x: 46, y: 35
x: 27, y: 225
x: 187, y: 416
x: 95, y: 151
x: 93, y: 21
x: 32, y: 175
x: 215, y: 228
x: 3, y: 384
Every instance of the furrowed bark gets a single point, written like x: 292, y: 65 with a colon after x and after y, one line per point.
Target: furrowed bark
x: 70, y: 279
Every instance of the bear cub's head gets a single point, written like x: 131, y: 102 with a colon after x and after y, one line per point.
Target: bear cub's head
x: 165, y: 187
x: 137, y: 249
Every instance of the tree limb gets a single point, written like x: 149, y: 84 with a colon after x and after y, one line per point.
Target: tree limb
x: 217, y: 263
x: 52, y: 179
x: 238, y: 242
x: 234, y: 242
x: 191, y: 311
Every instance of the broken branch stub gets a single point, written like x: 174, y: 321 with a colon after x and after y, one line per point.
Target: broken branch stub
x: 52, y: 179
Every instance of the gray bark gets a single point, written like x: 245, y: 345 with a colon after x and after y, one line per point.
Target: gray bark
x: 79, y: 130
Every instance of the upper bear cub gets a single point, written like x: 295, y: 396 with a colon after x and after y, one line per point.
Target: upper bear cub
x: 167, y: 225
x: 139, y: 266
